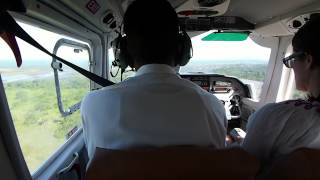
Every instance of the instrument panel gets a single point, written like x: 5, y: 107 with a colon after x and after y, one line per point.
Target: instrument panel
x: 228, y: 90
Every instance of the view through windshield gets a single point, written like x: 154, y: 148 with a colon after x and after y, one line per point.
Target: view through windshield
x: 244, y: 60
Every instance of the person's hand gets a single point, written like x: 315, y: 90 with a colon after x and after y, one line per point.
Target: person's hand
x: 229, y: 140
x: 234, y: 140
x: 238, y: 139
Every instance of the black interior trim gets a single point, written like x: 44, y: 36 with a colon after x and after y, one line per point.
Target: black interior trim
x: 218, y: 22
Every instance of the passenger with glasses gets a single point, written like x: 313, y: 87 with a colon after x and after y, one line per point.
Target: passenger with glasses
x: 288, y: 61
x: 280, y: 128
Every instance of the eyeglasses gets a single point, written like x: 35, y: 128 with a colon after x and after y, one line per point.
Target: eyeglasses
x: 288, y: 61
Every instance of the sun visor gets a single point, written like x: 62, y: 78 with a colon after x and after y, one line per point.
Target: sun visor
x: 226, y: 36
x: 215, y: 23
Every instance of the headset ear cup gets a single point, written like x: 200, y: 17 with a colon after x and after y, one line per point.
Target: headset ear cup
x: 124, y: 57
x: 186, y: 50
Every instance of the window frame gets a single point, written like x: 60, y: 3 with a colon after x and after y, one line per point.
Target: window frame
x: 287, y: 82
x: 9, y: 139
x: 270, y: 88
x: 78, y: 32
x: 69, y: 43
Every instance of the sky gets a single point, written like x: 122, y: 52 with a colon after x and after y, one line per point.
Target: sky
x: 223, y: 50
x: 46, y: 38
x: 202, y: 50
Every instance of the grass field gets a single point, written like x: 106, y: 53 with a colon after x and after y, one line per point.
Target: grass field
x: 40, y: 127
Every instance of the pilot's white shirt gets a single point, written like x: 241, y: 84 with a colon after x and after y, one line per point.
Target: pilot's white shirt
x: 280, y: 128
x: 156, y: 107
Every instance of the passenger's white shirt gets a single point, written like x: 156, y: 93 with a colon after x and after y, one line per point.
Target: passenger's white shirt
x: 156, y: 107
x: 278, y: 129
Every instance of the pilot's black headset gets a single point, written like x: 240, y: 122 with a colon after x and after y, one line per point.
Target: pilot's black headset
x: 123, y: 59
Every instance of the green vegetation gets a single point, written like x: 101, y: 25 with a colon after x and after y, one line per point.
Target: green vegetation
x: 40, y: 127
x: 256, y: 72
x: 242, y: 70
x: 299, y: 95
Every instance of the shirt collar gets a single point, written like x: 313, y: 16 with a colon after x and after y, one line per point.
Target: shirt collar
x: 155, y: 68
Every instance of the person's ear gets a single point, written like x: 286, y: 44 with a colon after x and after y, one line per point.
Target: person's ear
x: 310, y: 61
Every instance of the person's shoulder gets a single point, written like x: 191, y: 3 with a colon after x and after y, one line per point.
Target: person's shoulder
x: 286, y: 110
x: 114, y: 87
x: 270, y: 111
x: 202, y: 93
x: 88, y: 98
x: 273, y: 107
x: 189, y: 84
x: 292, y: 105
x: 99, y: 93
x: 299, y: 105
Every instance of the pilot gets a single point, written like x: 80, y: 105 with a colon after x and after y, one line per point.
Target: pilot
x: 279, y: 128
x: 156, y: 107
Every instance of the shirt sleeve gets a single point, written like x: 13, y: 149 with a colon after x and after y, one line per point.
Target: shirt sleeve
x: 219, y: 120
x: 219, y: 110
x: 263, y: 129
x: 85, y: 125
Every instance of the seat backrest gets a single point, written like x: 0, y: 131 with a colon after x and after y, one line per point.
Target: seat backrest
x: 172, y: 163
x: 300, y: 164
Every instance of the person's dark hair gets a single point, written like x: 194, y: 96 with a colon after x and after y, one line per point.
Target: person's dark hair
x: 12, y: 5
x: 155, y: 22
x: 307, y: 39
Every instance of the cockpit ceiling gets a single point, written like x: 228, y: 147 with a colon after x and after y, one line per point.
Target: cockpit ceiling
x: 254, y: 11
x: 259, y: 11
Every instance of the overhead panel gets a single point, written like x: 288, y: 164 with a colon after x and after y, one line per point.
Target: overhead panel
x: 259, y: 11
x: 104, y: 14
x: 203, y: 8
x: 177, y: 3
x: 217, y: 23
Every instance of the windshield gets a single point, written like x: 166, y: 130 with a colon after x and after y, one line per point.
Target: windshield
x: 242, y: 59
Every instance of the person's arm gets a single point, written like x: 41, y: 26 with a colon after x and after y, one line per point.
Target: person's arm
x: 216, y: 108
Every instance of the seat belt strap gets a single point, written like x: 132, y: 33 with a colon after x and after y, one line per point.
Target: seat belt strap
x: 9, y: 25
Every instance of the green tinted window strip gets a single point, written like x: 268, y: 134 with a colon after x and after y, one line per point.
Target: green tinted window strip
x: 226, y: 37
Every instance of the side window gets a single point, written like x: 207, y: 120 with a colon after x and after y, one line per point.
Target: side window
x: 287, y: 89
x: 296, y: 94
x: 31, y: 94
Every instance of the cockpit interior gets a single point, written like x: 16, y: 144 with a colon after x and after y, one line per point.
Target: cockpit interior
x: 238, y: 47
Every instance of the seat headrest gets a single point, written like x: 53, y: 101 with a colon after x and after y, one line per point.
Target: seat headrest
x: 301, y: 164
x: 172, y: 163
x: 12, y: 5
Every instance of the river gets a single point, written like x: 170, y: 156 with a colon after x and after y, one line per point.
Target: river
x: 9, y: 77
